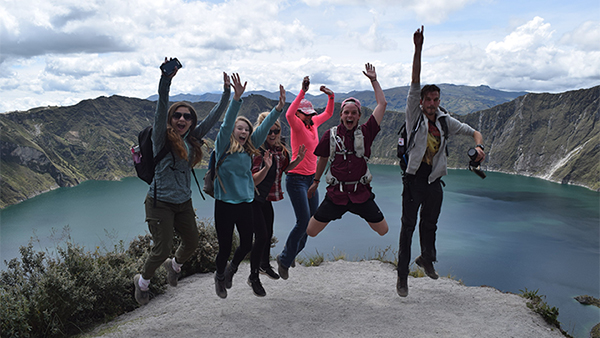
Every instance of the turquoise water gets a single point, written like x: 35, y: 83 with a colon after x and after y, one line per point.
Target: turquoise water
x: 508, y: 232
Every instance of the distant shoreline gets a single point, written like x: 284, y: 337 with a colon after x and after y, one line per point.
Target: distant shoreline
x: 377, y: 161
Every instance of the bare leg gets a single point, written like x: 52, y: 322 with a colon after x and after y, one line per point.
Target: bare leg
x: 315, y: 227
x: 380, y: 227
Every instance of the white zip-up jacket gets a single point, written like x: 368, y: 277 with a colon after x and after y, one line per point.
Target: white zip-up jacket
x: 419, y: 145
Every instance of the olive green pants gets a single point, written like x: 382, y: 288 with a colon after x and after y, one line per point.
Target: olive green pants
x: 163, y: 220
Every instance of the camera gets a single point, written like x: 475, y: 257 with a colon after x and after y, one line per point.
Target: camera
x: 168, y: 68
x: 474, y: 164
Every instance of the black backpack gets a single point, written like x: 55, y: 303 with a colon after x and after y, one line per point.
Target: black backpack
x: 404, y: 144
x: 145, y: 162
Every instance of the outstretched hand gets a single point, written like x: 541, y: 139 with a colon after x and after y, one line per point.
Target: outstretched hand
x: 370, y: 72
x: 305, y: 84
x: 237, y: 86
x: 418, y: 37
x: 281, y: 102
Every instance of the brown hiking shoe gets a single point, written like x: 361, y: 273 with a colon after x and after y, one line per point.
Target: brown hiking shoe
x: 427, y: 265
x: 142, y: 297
x: 172, y: 275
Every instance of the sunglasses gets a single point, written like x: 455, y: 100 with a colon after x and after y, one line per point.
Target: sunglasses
x: 274, y: 131
x: 187, y: 116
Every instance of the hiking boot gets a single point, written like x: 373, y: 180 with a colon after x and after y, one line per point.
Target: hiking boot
x: 427, y: 265
x: 141, y: 296
x: 257, y: 287
x: 268, y: 271
x: 283, y: 271
x: 172, y: 275
x: 402, y: 286
x: 220, y: 286
x: 230, y: 270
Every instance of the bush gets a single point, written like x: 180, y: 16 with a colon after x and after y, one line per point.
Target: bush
x: 61, y: 294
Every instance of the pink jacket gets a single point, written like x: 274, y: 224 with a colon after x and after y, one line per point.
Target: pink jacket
x: 300, y: 135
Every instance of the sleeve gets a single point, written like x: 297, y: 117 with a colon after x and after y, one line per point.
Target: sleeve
x: 222, y: 140
x: 412, y: 106
x: 455, y: 127
x: 322, y: 149
x: 326, y: 115
x: 290, y: 114
x: 209, y: 121
x: 257, y: 163
x: 159, y: 128
x: 260, y: 133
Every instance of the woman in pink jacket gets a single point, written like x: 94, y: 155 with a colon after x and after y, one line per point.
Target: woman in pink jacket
x: 303, y: 121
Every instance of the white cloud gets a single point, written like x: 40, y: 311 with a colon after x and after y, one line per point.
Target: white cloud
x: 63, y: 51
x: 585, y: 37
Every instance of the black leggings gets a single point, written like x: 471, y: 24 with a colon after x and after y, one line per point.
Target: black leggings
x: 263, y: 231
x: 228, y: 215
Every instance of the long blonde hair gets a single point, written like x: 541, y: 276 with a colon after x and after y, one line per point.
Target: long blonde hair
x: 175, y: 140
x: 278, y: 142
x: 236, y: 147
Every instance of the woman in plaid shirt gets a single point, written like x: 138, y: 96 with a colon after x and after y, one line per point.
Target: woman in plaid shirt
x: 267, y: 169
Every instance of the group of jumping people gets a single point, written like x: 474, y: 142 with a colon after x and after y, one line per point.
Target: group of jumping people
x: 254, y: 158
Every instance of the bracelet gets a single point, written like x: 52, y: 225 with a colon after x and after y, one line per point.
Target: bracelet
x: 315, y: 180
x: 480, y: 146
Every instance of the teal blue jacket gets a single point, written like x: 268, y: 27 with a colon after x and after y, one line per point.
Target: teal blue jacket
x: 236, y: 170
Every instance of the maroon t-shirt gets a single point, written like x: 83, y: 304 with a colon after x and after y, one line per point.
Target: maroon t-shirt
x: 352, y: 168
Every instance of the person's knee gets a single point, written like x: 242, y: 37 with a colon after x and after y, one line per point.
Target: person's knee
x: 380, y: 227
x: 314, y: 227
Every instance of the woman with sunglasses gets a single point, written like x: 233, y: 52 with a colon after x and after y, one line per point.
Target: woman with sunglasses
x: 177, y: 129
x: 234, y: 192
x: 268, y: 168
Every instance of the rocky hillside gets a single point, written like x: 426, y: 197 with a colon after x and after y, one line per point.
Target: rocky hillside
x: 553, y: 136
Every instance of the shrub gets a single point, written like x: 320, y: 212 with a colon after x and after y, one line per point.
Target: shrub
x: 60, y: 294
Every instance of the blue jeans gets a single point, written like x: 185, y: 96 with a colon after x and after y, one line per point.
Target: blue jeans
x: 297, y: 188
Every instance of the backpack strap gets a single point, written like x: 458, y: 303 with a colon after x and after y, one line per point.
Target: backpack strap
x: 359, y: 150
x: 217, y: 165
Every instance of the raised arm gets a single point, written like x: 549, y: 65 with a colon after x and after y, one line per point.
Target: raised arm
x: 159, y: 136
x: 379, y: 96
x: 328, y: 112
x: 416, y: 70
x: 209, y: 121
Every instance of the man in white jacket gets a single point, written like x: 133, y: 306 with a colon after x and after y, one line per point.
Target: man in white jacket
x: 426, y: 165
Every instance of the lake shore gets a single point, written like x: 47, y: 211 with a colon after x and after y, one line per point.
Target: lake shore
x: 336, y: 299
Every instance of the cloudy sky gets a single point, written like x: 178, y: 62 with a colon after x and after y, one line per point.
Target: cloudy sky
x: 59, y: 52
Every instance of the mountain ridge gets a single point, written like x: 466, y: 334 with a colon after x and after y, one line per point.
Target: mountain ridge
x: 551, y: 136
x: 457, y: 98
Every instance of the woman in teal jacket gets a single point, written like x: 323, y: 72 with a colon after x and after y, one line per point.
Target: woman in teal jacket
x: 234, y: 191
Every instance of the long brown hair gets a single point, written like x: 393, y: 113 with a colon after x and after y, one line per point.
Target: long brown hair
x: 175, y: 140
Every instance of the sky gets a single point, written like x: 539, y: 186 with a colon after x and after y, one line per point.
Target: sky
x: 59, y: 52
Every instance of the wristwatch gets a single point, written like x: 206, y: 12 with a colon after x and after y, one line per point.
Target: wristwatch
x: 480, y: 146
